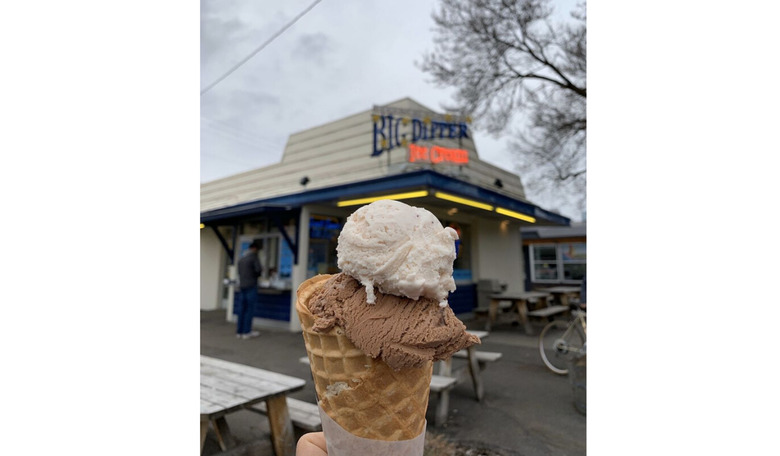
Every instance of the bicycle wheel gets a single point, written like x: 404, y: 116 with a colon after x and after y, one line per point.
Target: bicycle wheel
x: 557, y: 342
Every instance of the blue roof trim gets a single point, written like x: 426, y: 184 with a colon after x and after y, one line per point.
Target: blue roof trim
x: 423, y: 179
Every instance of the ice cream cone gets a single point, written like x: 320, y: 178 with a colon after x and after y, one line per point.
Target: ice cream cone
x: 363, y: 395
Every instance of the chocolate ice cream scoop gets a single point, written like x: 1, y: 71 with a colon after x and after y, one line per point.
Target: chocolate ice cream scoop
x: 403, y: 332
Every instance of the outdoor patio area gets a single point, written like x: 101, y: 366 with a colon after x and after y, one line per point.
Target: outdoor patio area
x: 526, y: 410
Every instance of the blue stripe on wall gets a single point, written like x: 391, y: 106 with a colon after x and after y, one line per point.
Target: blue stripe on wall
x: 273, y: 306
x: 464, y: 298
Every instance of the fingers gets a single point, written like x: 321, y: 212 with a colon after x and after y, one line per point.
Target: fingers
x: 312, y: 444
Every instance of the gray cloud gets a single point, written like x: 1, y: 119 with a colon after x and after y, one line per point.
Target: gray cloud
x: 246, y: 103
x: 312, y: 47
x: 341, y: 58
x: 219, y: 26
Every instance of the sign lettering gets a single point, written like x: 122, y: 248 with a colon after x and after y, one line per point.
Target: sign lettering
x: 437, y: 154
x: 391, y: 132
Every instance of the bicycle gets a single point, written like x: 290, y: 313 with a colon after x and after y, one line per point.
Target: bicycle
x: 561, y: 339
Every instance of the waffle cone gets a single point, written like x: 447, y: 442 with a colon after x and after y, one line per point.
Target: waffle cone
x: 363, y: 395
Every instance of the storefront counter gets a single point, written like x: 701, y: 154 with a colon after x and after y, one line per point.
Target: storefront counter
x: 272, y: 291
x: 274, y: 304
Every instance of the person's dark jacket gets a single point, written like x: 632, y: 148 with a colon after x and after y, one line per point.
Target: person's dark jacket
x: 249, y: 270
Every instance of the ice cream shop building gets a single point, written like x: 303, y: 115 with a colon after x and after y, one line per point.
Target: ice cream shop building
x: 402, y: 151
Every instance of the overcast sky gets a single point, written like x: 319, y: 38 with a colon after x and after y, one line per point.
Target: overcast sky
x: 339, y: 59
x: 682, y: 143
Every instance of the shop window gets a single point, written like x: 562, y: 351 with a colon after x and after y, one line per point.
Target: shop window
x: 323, y: 238
x: 559, y: 262
x: 573, y: 260
x: 545, y: 271
x: 275, y: 256
x: 461, y: 267
x: 545, y: 253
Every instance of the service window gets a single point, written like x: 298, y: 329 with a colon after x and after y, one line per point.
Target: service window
x: 275, y: 256
x: 323, y: 238
x: 461, y: 267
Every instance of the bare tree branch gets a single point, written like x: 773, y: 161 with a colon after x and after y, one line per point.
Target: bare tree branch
x: 511, y: 63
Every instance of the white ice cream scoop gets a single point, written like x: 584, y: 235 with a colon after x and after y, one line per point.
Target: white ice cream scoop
x: 400, y: 249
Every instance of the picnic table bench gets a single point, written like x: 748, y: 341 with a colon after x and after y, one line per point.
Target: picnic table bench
x: 548, y: 311
x: 227, y: 387
x: 563, y: 294
x: 521, y: 301
x: 476, y: 362
x: 304, y: 415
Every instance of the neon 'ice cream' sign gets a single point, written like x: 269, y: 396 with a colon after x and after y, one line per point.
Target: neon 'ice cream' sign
x: 437, y: 154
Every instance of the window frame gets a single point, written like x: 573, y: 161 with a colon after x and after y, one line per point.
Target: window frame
x: 559, y: 261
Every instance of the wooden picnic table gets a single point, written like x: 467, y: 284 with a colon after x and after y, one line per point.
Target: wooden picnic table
x: 520, y: 301
x: 563, y: 294
x: 473, y: 366
x: 476, y: 362
x: 226, y: 387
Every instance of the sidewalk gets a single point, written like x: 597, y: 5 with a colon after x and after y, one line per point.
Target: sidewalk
x: 527, y: 410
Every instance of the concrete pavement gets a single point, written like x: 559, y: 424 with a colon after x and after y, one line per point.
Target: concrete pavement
x: 526, y: 411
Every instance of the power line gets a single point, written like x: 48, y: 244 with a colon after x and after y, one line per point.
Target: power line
x: 246, y: 59
x: 231, y: 159
x: 246, y: 140
x: 222, y: 125
x: 236, y: 129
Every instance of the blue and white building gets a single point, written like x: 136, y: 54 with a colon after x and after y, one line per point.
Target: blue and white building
x: 403, y: 151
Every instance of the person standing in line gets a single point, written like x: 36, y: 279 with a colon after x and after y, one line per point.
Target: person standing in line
x: 249, y: 269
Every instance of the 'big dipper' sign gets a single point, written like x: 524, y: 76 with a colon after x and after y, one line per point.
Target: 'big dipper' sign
x: 399, y: 131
